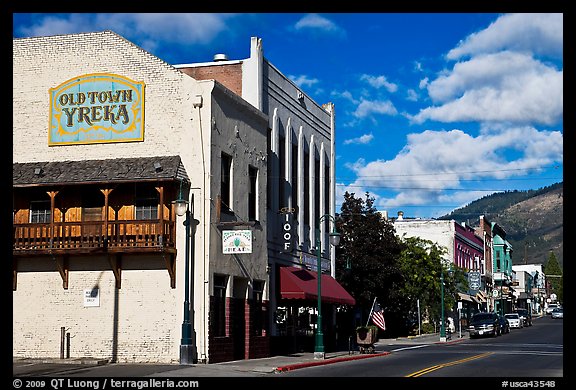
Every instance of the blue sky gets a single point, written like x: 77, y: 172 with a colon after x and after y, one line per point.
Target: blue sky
x: 433, y: 110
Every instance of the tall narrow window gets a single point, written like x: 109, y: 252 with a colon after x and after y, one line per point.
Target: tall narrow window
x: 306, y: 175
x: 316, y: 195
x: 40, y: 211
x: 226, y: 182
x: 269, y: 168
x: 253, y: 194
x: 282, y: 196
x: 498, y: 265
x: 146, y: 202
x: 219, y: 312
x: 295, y: 188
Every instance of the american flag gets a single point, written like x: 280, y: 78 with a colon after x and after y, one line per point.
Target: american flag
x: 377, y: 316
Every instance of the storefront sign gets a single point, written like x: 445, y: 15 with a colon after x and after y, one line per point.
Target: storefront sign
x: 236, y: 241
x: 474, y: 280
x: 312, y: 262
x: 96, y: 108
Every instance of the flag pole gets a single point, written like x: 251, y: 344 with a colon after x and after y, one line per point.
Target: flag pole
x: 372, y: 308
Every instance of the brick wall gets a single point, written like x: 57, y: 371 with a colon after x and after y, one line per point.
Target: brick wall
x: 229, y: 75
x: 141, y: 322
x: 131, y: 324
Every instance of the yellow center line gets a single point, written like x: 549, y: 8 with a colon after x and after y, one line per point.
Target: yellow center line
x: 439, y: 366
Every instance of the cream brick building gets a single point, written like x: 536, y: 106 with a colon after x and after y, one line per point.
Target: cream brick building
x: 235, y: 136
x: 197, y: 121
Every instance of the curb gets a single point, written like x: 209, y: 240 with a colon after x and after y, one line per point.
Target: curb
x: 296, y: 366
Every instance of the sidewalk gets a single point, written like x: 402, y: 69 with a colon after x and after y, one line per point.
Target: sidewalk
x: 246, y: 367
x: 283, y: 363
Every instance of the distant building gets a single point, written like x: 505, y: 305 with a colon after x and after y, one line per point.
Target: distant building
x: 464, y: 247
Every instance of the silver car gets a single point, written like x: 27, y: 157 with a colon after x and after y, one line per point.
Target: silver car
x: 514, y: 320
x: 558, y: 313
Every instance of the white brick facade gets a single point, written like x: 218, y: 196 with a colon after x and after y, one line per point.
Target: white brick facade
x: 141, y: 321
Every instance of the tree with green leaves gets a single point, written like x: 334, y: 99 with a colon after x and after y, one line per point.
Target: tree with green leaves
x: 423, y: 267
x: 367, y: 257
x: 554, y: 276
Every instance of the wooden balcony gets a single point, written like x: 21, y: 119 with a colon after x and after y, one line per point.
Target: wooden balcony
x: 62, y: 240
x: 71, y: 238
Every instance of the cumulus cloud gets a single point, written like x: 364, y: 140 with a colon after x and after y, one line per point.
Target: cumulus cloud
x: 303, y: 80
x: 379, y: 82
x: 537, y: 33
x: 363, y: 139
x: 316, y: 22
x: 435, y: 161
x: 367, y: 108
x: 500, y: 76
x: 504, y: 86
x: 152, y: 29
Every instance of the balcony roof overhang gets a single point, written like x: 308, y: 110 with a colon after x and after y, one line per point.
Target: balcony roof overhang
x: 104, y: 171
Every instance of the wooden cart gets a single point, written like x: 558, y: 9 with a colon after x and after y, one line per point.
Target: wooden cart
x: 365, y: 338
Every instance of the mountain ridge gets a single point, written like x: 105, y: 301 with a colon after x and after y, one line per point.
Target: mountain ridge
x: 532, y: 220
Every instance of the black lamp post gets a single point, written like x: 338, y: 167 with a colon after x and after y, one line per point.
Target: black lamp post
x: 443, y: 322
x: 187, y: 347
x: 334, y: 240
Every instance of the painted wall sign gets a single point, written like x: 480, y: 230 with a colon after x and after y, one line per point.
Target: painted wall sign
x: 96, y: 108
x: 236, y: 241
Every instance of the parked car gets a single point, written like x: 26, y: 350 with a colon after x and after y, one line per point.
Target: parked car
x: 514, y: 320
x: 484, y: 324
x: 551, y: 307
x: 504, y: 324
x: 558, y: 313
x: 525, y: 315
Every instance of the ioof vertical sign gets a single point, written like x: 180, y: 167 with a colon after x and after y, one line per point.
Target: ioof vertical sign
x: 287, y: 233
x: 96, y: 108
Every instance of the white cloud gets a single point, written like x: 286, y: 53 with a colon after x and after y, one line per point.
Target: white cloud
x: 423, y: 83
x: 362, y: 140
x: 379, y: 82
x: 411, y: 95
x: 303, y: 81
x: 367, y: 108
x: 316, y: 22
x: 541, y: 34
x: 153, y: 29
x: 347, y: 95
x: 433, y: 162
x: 504, y: 86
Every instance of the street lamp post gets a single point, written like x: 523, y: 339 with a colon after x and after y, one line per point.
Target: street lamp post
x: 334, y: 240
x: 187, y: 347
x: 443, y: 322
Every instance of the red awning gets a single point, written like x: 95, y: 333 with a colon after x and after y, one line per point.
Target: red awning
x: 299, y: 283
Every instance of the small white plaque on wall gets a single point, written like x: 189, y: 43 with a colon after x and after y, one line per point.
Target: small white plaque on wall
x: 92, y: 297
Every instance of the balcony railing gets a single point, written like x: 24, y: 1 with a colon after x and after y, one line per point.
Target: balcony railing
x: 110, y: 235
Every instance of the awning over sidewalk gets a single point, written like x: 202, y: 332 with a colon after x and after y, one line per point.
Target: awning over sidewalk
x: 299, y: 283
x: 465, y: 297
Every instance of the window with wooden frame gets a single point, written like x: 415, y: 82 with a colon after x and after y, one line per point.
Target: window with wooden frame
x: 40, y: 211
x: 146, y: 202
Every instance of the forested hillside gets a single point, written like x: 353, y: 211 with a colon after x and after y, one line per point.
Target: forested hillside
x: 533, y: 221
